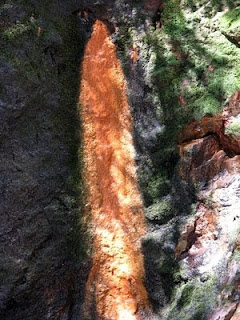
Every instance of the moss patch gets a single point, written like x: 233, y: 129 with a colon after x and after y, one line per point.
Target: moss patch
x: 161, y: 211
x: 193, y: 301
x: 231, y: 20
x: 190, y: 67
x: 234, y: 129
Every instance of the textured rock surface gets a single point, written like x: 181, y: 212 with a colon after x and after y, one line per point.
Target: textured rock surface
x: 182, y: 66
x: 114, y: 208
x: 40, y: 232
x: 208, y: 243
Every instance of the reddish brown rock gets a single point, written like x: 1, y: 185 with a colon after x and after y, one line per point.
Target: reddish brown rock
x: 153, y: 5
x: 232, y: 165
x: 199, y: 129
x: 194, y: 239
x: 186, y: 238
x: 229, y: 144
x: 236, y: 315
x: 200, y: 150
x: 201, y: 159
x: 205, y: 149
x: 208, y: 169
x: 205, y: 223
x: 210, y: 166
x: 209, y: 125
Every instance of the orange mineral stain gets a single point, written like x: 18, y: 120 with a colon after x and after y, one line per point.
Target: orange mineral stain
x: 115, y: 287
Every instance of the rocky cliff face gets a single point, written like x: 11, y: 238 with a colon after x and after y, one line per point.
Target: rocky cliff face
x: 40, y: 231
x: 181, y: 62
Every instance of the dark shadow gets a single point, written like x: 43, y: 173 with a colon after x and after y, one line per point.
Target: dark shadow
x: 160, y: 264
x: 46, y: 57
x: 76, y: 36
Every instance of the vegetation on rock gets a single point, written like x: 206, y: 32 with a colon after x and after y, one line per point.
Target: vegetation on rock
x: 182, y: 63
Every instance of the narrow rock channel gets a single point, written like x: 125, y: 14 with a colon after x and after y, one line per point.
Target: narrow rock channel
x: 115, y: 287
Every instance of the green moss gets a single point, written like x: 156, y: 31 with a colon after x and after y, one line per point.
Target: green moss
x: 160, y: 211
x: 191, y: 69
x: 210, y: 7
x: 193, y: 300
x: 173, y: 19
x: 204, y: 105
x: 17, y: 30
x: 234, y: 129
x: 158, y: 186
x: 231, y: 19
x: 223, y: 83
x: 186, y: 295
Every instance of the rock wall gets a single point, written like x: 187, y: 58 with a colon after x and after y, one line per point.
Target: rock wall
x: 42, y: 245
x: 181, y: 63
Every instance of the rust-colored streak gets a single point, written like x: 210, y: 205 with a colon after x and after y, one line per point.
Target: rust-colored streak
x: 115, y: 284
